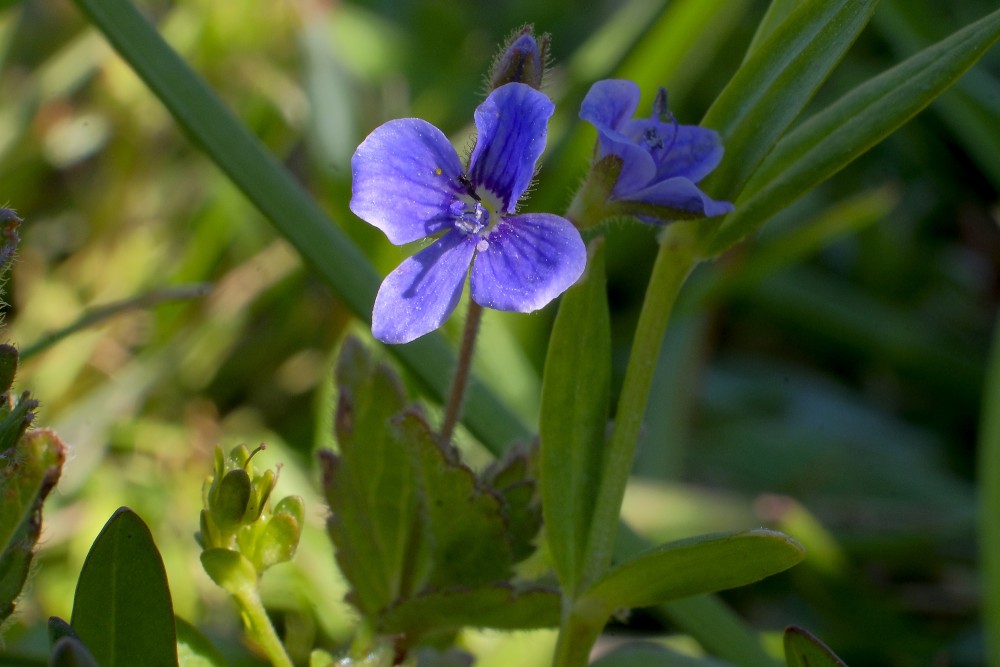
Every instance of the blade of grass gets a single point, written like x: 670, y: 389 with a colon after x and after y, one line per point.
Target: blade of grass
x: 280, y: 198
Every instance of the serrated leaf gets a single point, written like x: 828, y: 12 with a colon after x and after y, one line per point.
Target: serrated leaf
x: 803, y: 649
x: 369, y: 486
x: 834, y: 137
x: 498, y: 606
x: 514, y: 478
x: 576, y: 391
x: 28, y: 472
x: 773, y: 85
x: 693, y: 567
x: 463, y: 522
x: 122, y: 609
x: 194, y: 649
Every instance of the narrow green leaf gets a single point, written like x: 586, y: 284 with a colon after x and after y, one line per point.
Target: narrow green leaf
x: 694, y: 567
x: 122, y: 609
x: 719, y: 630
x: 574, y: 417
x: 777, y: 80
x: 498, y: 606
x: 276, y: 193
x: 194, y: 649
x: 803, y: 649
x: 777, y: 12
x: 28, y: 472
x: 989, y: 500
x: 834, y: 137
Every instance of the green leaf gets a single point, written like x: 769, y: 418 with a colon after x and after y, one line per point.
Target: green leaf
x: 122, y: 609
x: 370, y: 485
x: 988, y: 469
x: 28, y: 472
x: 834, y: 137
x: 803, y: 649
x: 499, y: 606
x: 194, y: 649
x: 778, y: 78
x: 693, y: 567
x: 280, y: 198
x: 574, y: 418
x: 513, y: 478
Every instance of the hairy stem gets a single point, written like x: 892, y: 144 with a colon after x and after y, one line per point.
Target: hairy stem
x: 259, y: 628
x: 676, y: 259
x: 456, y: 396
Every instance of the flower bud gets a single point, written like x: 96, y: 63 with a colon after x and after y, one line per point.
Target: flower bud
x: 522, y: 60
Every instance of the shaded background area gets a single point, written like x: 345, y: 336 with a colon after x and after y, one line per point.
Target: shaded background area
x: 830, y: 389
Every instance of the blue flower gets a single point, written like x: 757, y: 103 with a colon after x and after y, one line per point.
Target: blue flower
x: 661, y: 160
x: 410, y: 183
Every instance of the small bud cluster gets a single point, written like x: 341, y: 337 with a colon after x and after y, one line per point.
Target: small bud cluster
x: 240, y: 534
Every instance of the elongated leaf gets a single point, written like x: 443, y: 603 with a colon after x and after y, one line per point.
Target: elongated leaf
x: 497, y: 606
x: 989, y: 500
x: 273, y: 190
x: 776, y: 13
x: 803, y: 649
x: 575, y: 403
x: 777, y: 80
x: 719, y: 630
x: 695, y: 566
x: 122, y: 609
x: 834, y: 137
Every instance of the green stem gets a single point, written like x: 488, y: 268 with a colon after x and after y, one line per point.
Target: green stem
x: 456, y: 396
x: 676, y: 259
x: 259, y: 628
x: 578, y: 632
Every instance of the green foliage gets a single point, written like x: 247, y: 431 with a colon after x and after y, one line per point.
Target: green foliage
x: 427, y: 545
x: 802, y: 649
x: 573, y: 429
x: 833, y: 138
x: 694, y: 567
x: 122, y: 610
x: 849, y: 339
x: 776, y: 81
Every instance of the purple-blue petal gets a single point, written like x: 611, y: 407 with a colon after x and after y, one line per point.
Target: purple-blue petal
x: 610, y: 103
x: 680, y: 193
x: 512, y: 124
x: 531, y: 259
x: 420, y: 294
x: 405, y: 175
x: 688, y: 150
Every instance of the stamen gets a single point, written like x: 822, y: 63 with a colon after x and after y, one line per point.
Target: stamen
x: 471, y: 218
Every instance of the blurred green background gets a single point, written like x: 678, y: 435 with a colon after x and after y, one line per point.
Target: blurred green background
x: 824, y: 378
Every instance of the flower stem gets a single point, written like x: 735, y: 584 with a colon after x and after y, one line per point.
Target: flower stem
x: 577, y: 634
x: 456, y: 396
x: 676, y: 258
x: 259, y: 628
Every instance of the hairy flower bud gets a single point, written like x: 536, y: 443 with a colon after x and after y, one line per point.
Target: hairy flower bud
x: 521, y: 61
